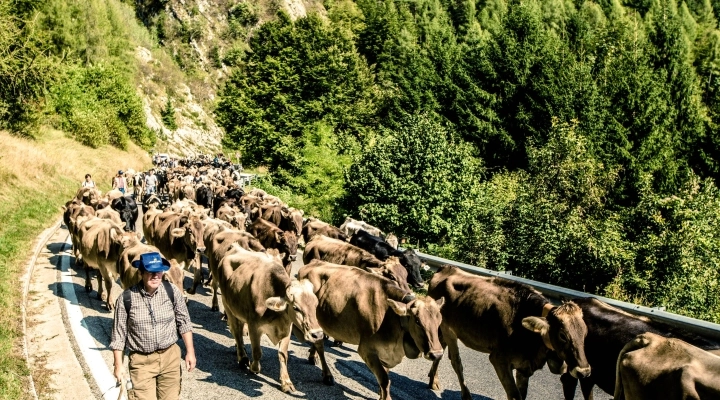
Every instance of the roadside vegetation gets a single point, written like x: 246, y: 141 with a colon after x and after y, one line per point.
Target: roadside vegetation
x: 572, y: 142
x: 37, y: 177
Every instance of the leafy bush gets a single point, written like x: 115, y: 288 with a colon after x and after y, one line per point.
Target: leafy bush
x: 103, y: 98
x: 416, y: 181
x: 168, y: 115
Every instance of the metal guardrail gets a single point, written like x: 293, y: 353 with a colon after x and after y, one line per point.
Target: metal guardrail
x: 703, y: 328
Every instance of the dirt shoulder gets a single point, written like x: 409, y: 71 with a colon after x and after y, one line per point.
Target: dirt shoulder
x: 52, y: 354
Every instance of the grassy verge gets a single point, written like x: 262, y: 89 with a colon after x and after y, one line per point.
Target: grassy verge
x: 36, y: 178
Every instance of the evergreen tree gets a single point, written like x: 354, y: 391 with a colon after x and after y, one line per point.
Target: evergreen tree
x: 168, y: 115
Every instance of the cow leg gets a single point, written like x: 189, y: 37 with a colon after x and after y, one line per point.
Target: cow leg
x: 434, y: 381
x: 108, y: 287
x: 88, y: 279
x: 215, y: 288
x: 255, y: 335
x: 197, y: 277
x: 319, y: 347
x: 236, y: 328
x: 286, y: 384
x: 569, y: 384
x: 381, y: 373
x: 504, y: 372
x: 521, y: 380
x: 586, y: 386
x: 456, y: 362
x: 101, y: 292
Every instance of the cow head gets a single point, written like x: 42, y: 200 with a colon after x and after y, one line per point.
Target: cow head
x: 393, y: 270
x: 564, y: 331
x: 191, y: 230
x: 287, y: 243
x: 423, y: 324
x: 301, y: 304
x: 412, y: 264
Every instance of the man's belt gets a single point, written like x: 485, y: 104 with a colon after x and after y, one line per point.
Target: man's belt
x: 156, y: 351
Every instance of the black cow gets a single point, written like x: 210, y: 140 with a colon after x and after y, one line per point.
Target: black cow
x: 376, y: 246
x: 609, y: 330
x: 152, y: 199
x: 128, y: 210
x: 204, y: 196
x: 232, y: 196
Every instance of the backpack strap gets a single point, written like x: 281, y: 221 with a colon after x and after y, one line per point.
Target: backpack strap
x: 127, y: 299
x: 170, y: 291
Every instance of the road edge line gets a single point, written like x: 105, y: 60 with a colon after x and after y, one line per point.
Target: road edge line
x: 92, y: 356
x: 25, y: 279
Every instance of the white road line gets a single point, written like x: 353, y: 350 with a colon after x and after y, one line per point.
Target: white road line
x: 89, y: 349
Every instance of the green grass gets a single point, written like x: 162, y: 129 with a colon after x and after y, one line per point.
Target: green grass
x: 21, y: 221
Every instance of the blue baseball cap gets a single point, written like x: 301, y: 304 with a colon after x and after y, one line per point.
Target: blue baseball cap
x: 152, y: 262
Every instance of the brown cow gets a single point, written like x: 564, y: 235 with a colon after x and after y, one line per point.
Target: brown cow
x: 257, y: 291
x: 130, y: 275
x: 148, y: 224
x: 110, y: 214
x: 221, y: 245
x: 383, y: 337
x: 285, y: 218
x: 272, y: 237
x: 314, y: 226
x: 511, y: 321
x: 339, y: 252
x: 655, y: 367
x: 180, y: 239
x: 89, y: 196
x: 72, y: 211
x: 101, y: 243
x: 232, y: 215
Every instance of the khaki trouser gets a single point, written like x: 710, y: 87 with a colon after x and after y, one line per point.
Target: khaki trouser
x: 155, y: 376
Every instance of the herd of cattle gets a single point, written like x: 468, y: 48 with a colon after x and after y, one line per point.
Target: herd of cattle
x: 355, y: 286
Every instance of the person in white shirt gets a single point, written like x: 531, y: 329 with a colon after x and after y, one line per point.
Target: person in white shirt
x: 88, y: 182
x: 150, y: 183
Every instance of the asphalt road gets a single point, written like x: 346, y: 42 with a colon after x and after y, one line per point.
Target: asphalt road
x: 218, y: 375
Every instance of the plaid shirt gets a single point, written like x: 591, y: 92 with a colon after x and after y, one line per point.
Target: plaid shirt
x: 153, y: 324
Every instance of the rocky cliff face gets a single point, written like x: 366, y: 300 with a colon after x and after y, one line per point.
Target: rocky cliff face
x: 200, y: 42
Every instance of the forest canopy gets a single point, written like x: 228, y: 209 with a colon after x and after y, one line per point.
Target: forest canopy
x: 574, y: 142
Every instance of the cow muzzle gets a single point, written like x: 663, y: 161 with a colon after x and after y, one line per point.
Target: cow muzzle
x: 292, y: 257
x: 433, y: 355
x: 314, y: 335
x: 200, y: 250
x: 578, y: 372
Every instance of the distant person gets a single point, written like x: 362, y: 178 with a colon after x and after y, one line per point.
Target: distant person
x: 151, y: 182
x: 149, y: 317
x: 120, y: 183
x: 88, y: 182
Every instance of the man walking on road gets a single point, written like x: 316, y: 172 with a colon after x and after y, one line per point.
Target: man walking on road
x: 148, y: 318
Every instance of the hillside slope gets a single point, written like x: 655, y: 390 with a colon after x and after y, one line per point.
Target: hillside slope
x: 36, y: 177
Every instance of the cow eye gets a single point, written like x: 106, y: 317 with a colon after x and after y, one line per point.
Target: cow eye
x: 296, y: 308
x: 563, y: 337
x: 417, y: 321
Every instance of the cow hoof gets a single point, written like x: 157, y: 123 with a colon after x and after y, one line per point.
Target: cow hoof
x: 337, y: 343
x: 288, y: 387
x: 223, y: 317
x: 191, y: 291
x: 435, y: 386
x: 100, y: 297
x: 329, y: 380
x: 255, y: 367
x: 244, y: 363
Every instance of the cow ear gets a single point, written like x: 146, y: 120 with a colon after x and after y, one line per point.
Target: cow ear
x: 113, y: 235
x: 139, y: 235
x: 276, y: 304
x: 440, y: 302
x: 399, y: 308
x: 536, y: 324
x: 278, y: 236
x: 178, y: 232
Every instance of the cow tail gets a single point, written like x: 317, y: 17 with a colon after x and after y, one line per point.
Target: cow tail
x: 632, y: 345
